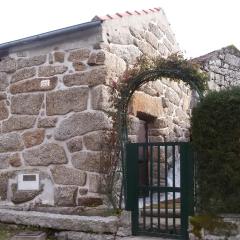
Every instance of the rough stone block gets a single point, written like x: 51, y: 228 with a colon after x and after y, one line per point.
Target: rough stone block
x: 20, y: 196
x: 30, y: 62
x: 155, y: 30
x: 8, y: 65
x: 15, y: 160
x: 22, y: 74
x: 4, y: 161
x: 137, y: 33
x: 44, y: 155
x: 95, y: 183
x: 95, y: 141
x: 232, y: 60
x: 136, y: 127
x: 18, y: 123
x: 87, y: 161
x: 48, y: 71
x: 151, y: 39
x: 183, y: 116
x: 170, y: 37
x: 156, y: 139
x: 7, y: 159
x: 75, y: 144
x: 172, y: 96
x: 83, y: 236
x: 125, y: 224
x: 159, y: 132
x: 68, y: 176
x: 3, y: 96
x: 65, y: 196
x: 128, y: 53
x: 101, y: 98
x: 81, y: 123
x: 91, y: 77
x: 33, y: 138
x: 90, y: 201
x: 3, y: 110
x: 28, y: 104
x: 79, y: 66
x: 33, y: 85
x: 60, y: 221
x: 79, y: 55
x: 47, y: 122
x: 145, y: 48
x: 168, y: 45
x: 10, y: 142
x: 4, y: 176
x: 115, y: 66
x: 63, y: 101
x: 146, y: 104
x: 3, y: 81
x: 96, y: 58
x: 83, y: 191
x: 160, y: 123
x: 122, y: 37
x: 59, y: 57
x: 30, y: 236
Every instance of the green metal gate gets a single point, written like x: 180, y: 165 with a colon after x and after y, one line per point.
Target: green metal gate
x: 159, y: 188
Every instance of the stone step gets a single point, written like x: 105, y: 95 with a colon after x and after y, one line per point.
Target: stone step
x: 163, y: 213
x: 60, y: 222
x: 30, y: 236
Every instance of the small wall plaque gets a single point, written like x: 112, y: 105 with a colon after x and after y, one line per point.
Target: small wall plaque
x: 28, y: 181
x: 45, y: 83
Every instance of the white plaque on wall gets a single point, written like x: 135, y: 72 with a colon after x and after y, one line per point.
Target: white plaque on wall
x: 28, y: 181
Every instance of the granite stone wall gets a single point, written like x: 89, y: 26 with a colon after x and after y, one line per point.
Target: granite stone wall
x: 223, y: 67
x: 52, y: 120
x: 54, y: 99
x: 163, y: 105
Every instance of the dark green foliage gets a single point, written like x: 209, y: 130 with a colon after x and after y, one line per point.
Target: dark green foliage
x: 216, y: 138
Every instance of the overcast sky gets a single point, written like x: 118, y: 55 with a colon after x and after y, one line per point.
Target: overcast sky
x: 200, y: 26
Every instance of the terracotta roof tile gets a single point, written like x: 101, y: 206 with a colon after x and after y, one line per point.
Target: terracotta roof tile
x: 126, y: 14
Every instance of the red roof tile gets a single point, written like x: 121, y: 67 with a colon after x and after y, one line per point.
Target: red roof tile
x: 126, y: 14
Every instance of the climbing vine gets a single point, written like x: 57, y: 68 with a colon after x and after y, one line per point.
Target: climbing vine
x: 175, y: 67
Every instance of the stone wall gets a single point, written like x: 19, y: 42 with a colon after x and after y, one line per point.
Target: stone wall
x: 52, y: 119
x: 163, y: 105
x: 54, y: 98
x: 223, y: 67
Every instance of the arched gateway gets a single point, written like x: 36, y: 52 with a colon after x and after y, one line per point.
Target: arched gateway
x: 158, y: 176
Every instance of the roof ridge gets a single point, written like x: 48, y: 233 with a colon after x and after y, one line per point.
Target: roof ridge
x: 127, y: 14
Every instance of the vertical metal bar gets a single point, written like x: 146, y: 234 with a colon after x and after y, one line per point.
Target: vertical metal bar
x: 184, y: 192
x: 151, y: 187
x: 158, y: 184
x: 144, y: 190
x: 174, y: 188
x: 132, y: 184
x: 191, y: 165
x: 166, y: 192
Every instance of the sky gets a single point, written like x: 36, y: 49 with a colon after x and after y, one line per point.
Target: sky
x: 200, y: 26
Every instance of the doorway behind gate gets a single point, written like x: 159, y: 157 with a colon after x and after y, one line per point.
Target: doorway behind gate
x: 159, y: 188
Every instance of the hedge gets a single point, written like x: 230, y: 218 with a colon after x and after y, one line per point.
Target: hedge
x: 215, y: 126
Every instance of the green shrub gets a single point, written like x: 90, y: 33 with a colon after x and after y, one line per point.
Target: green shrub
x: 216, y: 138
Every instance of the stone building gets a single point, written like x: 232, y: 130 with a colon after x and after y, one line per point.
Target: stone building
x: 54, y: 102
x: 223, y: 66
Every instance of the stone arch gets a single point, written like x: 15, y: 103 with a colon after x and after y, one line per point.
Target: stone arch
x: 188, y: 75
x: 139, y: 80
